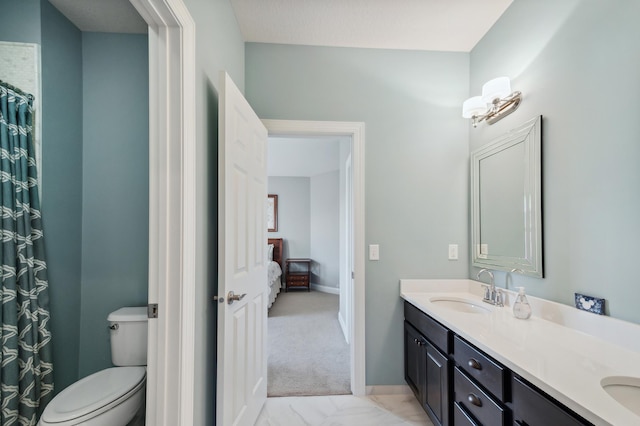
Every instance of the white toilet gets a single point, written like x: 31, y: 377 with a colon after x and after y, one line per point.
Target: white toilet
x: 114, y: 396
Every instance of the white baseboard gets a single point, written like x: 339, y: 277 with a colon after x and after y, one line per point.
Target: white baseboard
x: 389, y: 390
x: 325, y: 289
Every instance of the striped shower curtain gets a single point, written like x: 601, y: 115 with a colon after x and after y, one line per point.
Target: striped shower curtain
x: 26, y: 372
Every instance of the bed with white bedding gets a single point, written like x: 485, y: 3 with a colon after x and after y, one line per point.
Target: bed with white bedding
x: 274, y: 268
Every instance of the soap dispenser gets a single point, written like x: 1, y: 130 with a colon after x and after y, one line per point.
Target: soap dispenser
x: 521, y: 308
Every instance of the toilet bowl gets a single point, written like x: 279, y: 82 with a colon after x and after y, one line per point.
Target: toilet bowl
x: 107, y: 398
x: 114, y: 396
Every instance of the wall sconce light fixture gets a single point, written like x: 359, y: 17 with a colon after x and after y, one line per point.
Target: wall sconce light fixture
x: 497, y: 101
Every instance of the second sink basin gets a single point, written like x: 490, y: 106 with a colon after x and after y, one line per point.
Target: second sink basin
x: 461, y: 305
x: 625, y: 390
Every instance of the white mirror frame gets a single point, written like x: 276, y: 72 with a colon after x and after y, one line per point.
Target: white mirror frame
x: 529, y: 134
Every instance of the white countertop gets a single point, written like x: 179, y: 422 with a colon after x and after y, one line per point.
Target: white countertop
x: 562, y: 350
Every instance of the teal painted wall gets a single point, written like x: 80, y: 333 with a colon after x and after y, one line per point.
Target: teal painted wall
x: 577, y: 64
x: 95, y: 178
x: 115, y: 200
x: 62, y: 185
x: 416, y: 161
x: 36, y: 21
x: 20, y: 21
x: 219, y: 46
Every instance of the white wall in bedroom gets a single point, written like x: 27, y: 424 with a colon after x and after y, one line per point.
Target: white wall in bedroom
x: 325, y: 229
x: 294, y: 214
x: 309, y: 223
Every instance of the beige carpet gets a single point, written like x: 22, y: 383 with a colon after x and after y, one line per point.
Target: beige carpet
x: 307, y: 351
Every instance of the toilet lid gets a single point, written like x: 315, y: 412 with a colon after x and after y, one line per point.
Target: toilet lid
x: 92, y: 393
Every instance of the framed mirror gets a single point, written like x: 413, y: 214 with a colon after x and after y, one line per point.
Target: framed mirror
x: 506, y: 202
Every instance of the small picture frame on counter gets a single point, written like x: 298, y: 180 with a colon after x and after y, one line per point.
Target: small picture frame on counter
x: 589, y: 303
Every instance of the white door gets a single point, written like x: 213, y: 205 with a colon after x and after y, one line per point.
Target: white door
x: 242, y: 236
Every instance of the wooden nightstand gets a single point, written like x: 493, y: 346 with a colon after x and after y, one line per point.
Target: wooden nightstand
x: 298, y: 276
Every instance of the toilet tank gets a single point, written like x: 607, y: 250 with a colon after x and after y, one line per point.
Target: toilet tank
x: 128, y: 329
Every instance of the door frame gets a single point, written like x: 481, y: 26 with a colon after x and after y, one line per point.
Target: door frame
x: 356, y: 131
x: 172, y: 211
x: 346, y: 290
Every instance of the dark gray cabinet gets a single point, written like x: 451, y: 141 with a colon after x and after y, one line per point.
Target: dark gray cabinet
x: 437, y: 384
x: 457, y: 384
x: 482, y: 368
x: 461, y: 418
x: 414, y: 364
x: 480, y: 385
x: 427, y: 368
x: 531, y: 407
x: 478, y: 403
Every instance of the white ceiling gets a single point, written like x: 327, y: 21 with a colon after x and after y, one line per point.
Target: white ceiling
x: 102, y: 16
x: 443, y: 25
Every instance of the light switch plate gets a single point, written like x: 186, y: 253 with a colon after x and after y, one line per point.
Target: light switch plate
x: 374, y: 252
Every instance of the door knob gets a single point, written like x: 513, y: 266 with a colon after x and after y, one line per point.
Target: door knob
x: 232, y: 297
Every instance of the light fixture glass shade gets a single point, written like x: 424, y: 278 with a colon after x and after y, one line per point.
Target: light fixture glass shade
x: 473, y: 106
x: 497, y: 88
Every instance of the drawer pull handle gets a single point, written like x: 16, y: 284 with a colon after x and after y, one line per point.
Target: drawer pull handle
x: 473, y: 363
x: 473, y: 399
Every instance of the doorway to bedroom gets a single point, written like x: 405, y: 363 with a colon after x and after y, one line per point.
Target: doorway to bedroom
x: 310, y: 304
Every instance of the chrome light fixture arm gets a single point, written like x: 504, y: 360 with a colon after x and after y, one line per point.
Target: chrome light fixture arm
x: 499, y: 109
x: 497, y: 101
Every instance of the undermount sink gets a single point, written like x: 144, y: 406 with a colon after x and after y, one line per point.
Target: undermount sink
x: 460, y: 305
x: 625, y: 390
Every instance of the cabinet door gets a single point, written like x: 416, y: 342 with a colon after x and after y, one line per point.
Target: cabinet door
x: 437, y: 385
x: 414, y: 364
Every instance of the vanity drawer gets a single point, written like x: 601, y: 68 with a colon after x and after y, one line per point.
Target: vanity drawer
x: 483, y: 369
x: 430, y: 328
x: 460, y: 417
x: 476, y: 401
x: 533, y: 408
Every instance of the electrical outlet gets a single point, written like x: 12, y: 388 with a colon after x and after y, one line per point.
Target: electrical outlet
x: 453, y: 252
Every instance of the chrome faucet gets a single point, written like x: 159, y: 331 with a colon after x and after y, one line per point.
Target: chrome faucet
x: 491, y: 294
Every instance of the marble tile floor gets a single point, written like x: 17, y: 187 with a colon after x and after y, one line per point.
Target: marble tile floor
x: 343, y: 410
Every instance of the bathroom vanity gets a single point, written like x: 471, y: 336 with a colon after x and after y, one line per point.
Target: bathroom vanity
x: 470, y: 363
x: 478, y: 393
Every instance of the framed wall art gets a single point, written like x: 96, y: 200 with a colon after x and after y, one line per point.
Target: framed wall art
x: 272, y: 213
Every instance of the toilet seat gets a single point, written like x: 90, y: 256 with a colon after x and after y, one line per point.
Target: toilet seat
x: 93, y: 395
